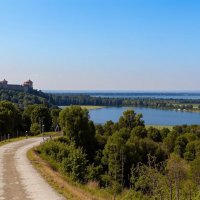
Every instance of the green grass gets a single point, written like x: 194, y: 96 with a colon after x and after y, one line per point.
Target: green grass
x: 86, y: 107
x: 159, y: 126
x: 53, y: 134
x: 92, y: 107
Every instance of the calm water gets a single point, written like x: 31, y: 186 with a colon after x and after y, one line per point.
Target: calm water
x: 150, y: 116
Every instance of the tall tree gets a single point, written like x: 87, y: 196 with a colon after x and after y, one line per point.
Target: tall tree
x: 76, y: 125
x: 130, y: 120
x: 10, y: 118
x: 42, y: 116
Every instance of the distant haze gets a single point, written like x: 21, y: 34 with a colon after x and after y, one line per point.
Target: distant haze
x: 101, y: 44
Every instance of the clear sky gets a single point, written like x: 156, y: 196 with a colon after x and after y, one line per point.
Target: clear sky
x: 101, y: 44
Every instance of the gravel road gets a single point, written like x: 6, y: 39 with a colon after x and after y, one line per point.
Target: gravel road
x: 18, y: 179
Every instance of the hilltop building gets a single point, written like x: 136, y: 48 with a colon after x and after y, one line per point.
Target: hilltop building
x: 26, y: 86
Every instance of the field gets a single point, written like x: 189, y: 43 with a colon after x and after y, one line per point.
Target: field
x: 159, y: 126
x: 87, y: 107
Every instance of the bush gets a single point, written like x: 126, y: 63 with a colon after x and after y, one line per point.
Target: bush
x: 75, y: 164
x: 35, y: 129
x: 72, y: 160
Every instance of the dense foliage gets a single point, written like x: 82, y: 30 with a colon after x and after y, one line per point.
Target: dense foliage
x: 153, y: 163
x: 34, y: 119
x: 23, y: 99
x: 81, y: 99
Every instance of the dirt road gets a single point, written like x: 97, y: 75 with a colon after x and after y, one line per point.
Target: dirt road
x: 18, y: 179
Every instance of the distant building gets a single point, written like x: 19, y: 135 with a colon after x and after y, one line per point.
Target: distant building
x: 26, y: 86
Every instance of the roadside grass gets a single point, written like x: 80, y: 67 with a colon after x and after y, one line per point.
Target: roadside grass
x: 48, y: 134
x: 62, y: 183
x: 12, y: 140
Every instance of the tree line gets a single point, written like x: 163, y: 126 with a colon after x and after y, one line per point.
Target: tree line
x: 123, y: 157
x: 23, y: 99
x: 126, y: 157
x: 82, y: 99
x: 32, y: 120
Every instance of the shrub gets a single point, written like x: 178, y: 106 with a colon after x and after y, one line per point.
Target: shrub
x: 35, y: 129
x: 75, y: 164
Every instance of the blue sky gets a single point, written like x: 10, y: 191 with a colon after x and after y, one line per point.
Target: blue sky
x: 101, y: 44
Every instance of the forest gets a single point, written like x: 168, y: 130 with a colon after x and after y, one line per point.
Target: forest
x: 83, y: 99
x: 122, y: 158
x: 23, y: 99
x: 147, y: 163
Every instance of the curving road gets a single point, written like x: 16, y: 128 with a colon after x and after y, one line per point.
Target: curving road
x: 18, y: 179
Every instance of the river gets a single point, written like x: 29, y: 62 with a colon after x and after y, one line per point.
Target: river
x: 150, y: 116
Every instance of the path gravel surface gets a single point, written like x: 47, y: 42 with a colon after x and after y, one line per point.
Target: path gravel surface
x: 18, y: 179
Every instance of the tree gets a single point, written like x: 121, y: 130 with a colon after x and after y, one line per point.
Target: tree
x: 180, y: 145
x: 35, y: 129
x: 148, y: 178
x: 195, y: 170
x: 114, y: 155
x: 190, y: 152
x: 26, y: 117
x: 41, y: 115
x: 10, y: 118
x: 75, y: 164
x: 154, y: 134
x: 177, y: 171
x: 139, y: 131
x: 169, y: 142
x: 108, y: 128
x: 55, y: 117
x: 76, y: 125
x: 130, y: 120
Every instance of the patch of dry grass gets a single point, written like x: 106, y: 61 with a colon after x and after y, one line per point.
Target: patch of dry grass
x: 11, y: 140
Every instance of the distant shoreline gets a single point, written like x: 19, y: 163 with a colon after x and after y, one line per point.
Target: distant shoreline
x: 86, y: 107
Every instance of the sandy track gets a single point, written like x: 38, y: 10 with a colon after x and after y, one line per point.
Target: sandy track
x: 18, y: 179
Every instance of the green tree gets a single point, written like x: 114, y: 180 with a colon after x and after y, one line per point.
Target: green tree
x: 75, y: 164
x: 139, y: 131
x: 177, y: 171
x: 114, y: 155
x: 180, y: 145
x: 41, y: 115
x: 76, y: 125
x: 195, y: 170
x: 10, y: 118
x: 55, y: 117
x: 130, y: 120
x: 169, y: 142
x: 35, y: 129
x: 154, y: 134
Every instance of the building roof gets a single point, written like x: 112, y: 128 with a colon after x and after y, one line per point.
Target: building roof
x: 4, y: 81
x: 29, y: 81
